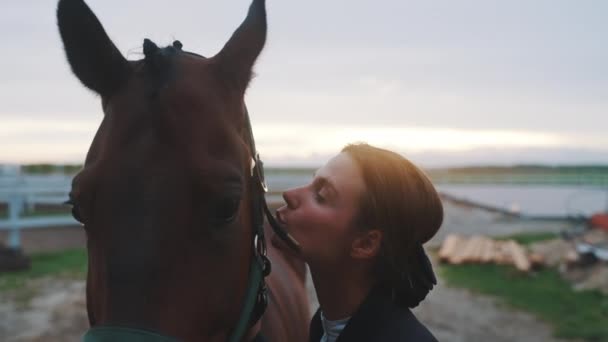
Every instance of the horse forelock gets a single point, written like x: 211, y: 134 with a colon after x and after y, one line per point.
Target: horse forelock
x: 158, y: 64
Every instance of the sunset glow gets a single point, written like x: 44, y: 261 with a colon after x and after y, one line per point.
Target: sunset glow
x: 23, y: 141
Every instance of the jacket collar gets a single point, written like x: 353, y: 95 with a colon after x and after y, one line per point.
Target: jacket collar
x: 363, y: 325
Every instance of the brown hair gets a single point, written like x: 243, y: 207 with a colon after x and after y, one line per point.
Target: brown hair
x: 401, y: 201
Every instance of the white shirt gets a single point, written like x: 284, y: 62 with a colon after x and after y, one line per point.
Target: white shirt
x: 332, y: 329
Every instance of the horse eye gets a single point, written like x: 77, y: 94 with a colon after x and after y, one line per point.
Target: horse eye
x: 226, y: 210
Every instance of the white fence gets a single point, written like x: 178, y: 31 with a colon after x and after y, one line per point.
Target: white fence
x: 20, y: 192
x: 23, y: 192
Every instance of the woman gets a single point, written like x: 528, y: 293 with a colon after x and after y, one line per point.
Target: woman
x: 361, y: 224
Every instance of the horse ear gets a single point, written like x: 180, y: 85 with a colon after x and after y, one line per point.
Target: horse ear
x: 238, y: 56
x: 94, y: 59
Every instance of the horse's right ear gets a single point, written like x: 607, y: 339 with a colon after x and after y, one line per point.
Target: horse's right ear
x: 94, y: 59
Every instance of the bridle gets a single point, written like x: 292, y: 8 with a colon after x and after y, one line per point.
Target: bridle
x: 256, y: 293
x: 256, y: 299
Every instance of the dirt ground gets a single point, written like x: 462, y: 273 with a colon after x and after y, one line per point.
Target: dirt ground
x: 55, y: 309
x: 49, y: 239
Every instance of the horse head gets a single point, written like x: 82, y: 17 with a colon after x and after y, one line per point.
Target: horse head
x: 164, y: 195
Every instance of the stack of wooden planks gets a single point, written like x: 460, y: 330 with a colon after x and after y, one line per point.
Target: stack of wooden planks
x: 480, y: 250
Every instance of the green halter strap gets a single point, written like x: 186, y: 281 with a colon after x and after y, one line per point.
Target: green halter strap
x: 121, y: 334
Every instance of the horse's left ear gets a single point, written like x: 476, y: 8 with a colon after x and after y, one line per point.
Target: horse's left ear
x: 93, y: 57
x: 238, y: 56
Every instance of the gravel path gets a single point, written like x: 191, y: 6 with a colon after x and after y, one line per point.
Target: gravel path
x: 457, y: 315
x: 56, y: 312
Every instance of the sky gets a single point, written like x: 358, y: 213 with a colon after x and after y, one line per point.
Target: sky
x: 446, y: 83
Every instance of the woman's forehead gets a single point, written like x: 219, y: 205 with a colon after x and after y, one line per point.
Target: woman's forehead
x: 344, y: 174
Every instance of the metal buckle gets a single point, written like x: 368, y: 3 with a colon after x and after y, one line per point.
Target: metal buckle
x: 259, y: 243
x: 259, y: 168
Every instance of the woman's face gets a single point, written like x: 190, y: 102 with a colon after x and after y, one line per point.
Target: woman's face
x: 320, y: 215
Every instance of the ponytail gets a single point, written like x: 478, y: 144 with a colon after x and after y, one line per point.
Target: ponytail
x: 415, y: 283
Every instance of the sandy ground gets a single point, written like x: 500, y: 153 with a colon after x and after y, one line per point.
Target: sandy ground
x: 55, y: 310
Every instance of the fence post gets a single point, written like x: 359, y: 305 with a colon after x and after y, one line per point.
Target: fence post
x: 15, y: 208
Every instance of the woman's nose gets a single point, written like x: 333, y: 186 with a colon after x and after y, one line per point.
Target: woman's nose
x: 291, y: 198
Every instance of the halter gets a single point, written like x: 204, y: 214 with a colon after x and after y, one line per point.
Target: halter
x: 256, y: 299
x: 256, y: 296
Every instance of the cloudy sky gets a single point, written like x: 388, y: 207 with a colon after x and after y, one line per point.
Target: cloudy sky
x: 444, y: 82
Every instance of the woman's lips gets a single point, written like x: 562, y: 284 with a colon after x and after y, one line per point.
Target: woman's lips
x: 284, y: 231
x: 280, y: 219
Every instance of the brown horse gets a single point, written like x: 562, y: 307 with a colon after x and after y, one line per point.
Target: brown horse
x: 166, y: 193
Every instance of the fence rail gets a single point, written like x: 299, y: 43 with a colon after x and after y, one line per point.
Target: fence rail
x: 21, y: 193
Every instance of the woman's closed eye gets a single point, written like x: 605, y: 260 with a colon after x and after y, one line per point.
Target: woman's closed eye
x: 319, y: 197
x: 320, y: 191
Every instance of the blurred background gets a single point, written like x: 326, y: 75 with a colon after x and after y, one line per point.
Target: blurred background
x: 503, y: 103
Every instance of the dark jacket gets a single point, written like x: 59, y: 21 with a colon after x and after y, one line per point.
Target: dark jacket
x: 378, y: 319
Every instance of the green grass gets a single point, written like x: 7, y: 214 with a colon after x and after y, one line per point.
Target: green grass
x: 576, y: 315
x: 69, y: 263
x: 530, y: 238
x: 39, y: 213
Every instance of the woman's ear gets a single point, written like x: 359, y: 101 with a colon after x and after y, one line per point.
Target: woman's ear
x: 367, y: 245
